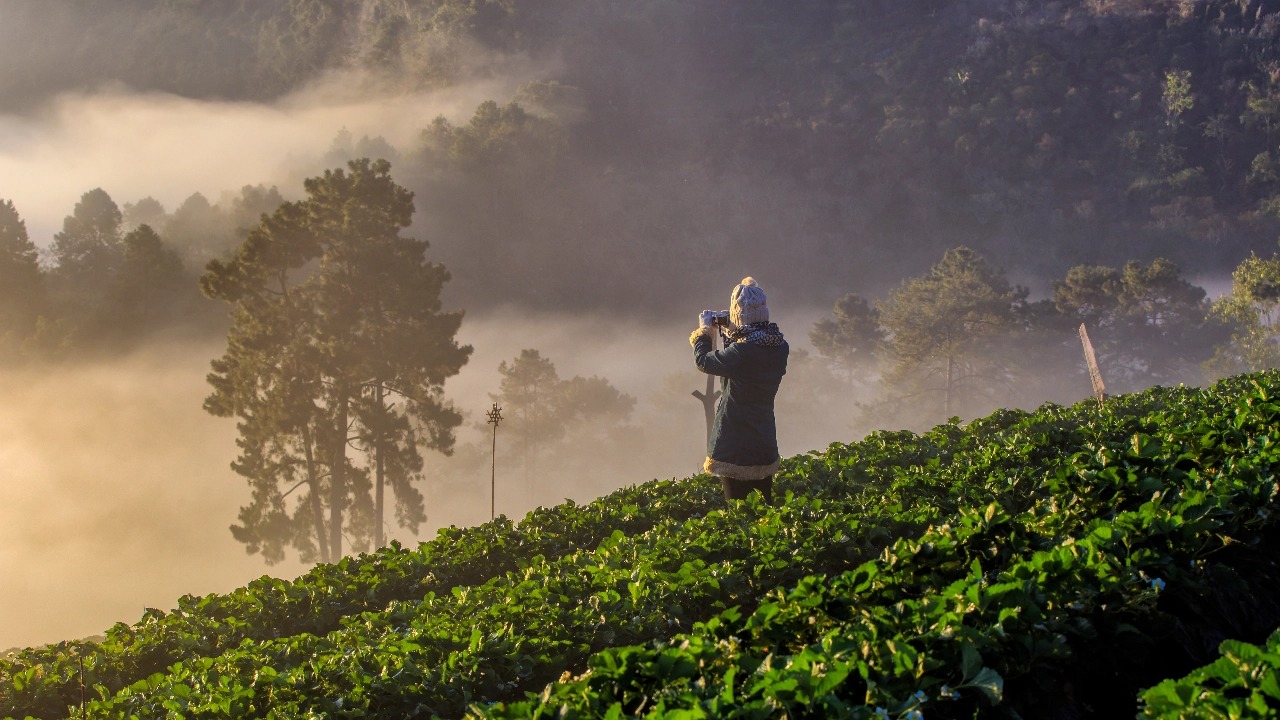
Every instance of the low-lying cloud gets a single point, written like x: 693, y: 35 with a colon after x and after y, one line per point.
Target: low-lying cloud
x: 116, y: 491
x: 135, y: 145
x: 116, y: 495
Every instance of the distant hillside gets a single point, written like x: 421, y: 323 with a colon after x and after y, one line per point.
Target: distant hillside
x: 840, y: 144
x: 1046, y: 564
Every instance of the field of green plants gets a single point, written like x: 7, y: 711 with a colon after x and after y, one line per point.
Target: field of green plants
x: 1065, y: 563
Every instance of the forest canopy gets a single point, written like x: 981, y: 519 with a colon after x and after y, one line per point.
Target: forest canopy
x: 843, y: 145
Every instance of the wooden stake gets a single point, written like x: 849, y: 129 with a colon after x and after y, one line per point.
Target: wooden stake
x: 709, y: 397
x: 1095, y: 374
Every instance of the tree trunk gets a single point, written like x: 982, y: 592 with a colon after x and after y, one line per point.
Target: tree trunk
x: 338, y: 477
x: 379, y: 473
x: 709, y: 399
x: 317, y: 507
x: 951, y: 373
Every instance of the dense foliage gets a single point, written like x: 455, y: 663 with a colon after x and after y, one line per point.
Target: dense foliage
x: 840, y: 146
x: 1052, y: 563
x: 882, y: 133
x: 1244, y: 682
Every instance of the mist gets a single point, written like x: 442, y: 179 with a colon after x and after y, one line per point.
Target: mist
x: 117, y: 494
x: 117, y: 491
x: 136, y: 145
x: 651, y: 361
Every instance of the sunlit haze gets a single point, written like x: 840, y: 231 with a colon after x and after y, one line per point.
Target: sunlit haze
x: 116, y: 495
x: 117, y: 491
x: 603, y: 172
x: 117, y: 480
x: 168, y: 147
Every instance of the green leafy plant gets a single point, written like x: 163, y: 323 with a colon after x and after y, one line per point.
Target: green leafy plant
x: 1244, y: 682
x: 1065, y: 558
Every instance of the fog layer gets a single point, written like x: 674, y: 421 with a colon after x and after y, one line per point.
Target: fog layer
x: 117, y: 491
x: 714, y: 140
x: 168, y: 147
x: 116, y: 495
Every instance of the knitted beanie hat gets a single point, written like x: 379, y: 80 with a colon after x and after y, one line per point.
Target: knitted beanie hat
x: 746, y: 304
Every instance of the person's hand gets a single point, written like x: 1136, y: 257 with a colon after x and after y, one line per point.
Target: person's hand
x: 706, y: 318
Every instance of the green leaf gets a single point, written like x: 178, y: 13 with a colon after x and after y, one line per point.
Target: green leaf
x: 990, y: 683
x: 1270, y: 684
x: 970, y: 661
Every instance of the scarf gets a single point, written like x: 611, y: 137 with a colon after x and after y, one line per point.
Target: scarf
x: 761, y: 333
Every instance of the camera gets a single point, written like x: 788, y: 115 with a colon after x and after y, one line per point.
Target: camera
x: 720, y: 317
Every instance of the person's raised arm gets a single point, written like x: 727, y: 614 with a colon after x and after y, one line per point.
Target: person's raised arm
x: 707, y: 358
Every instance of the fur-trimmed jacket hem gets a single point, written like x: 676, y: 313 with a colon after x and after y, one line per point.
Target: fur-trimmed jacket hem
x: 720, y: 468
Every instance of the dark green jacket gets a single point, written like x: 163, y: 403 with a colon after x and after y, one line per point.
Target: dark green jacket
x: 744, y: 436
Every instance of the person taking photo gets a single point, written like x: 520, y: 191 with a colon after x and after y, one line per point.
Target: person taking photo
x: 742, y: 449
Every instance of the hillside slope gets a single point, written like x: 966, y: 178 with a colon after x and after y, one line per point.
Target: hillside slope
x: 871, y: 136
x: 1047, y: 564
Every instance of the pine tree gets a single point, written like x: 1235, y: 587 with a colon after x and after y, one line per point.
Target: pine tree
x: 545, y: 413
x: 87, y: 256
x: 151, y: 285
x: 1147, y: 323
x: 851, y: 338
x: 941, y: 328
x: 21, y: 280
x: 89, y: 244
x: 1252, y: 311
x: 338, y: 338
x: 528, y: 392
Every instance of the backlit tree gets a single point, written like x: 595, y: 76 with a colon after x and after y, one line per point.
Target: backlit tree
x: 21, y: 281
x: 942, y: 332
x: 851, y: 338
x: 1252, y: 311
x: 1147, y: 323
x: 545, y: 412
x: 338, y: 339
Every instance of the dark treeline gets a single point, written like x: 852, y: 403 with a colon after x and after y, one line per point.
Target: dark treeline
x: 116, y: 275
x: 236, y: 50
x: 962, y: 340
x: 839, y: 145
x: 833, y: 147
